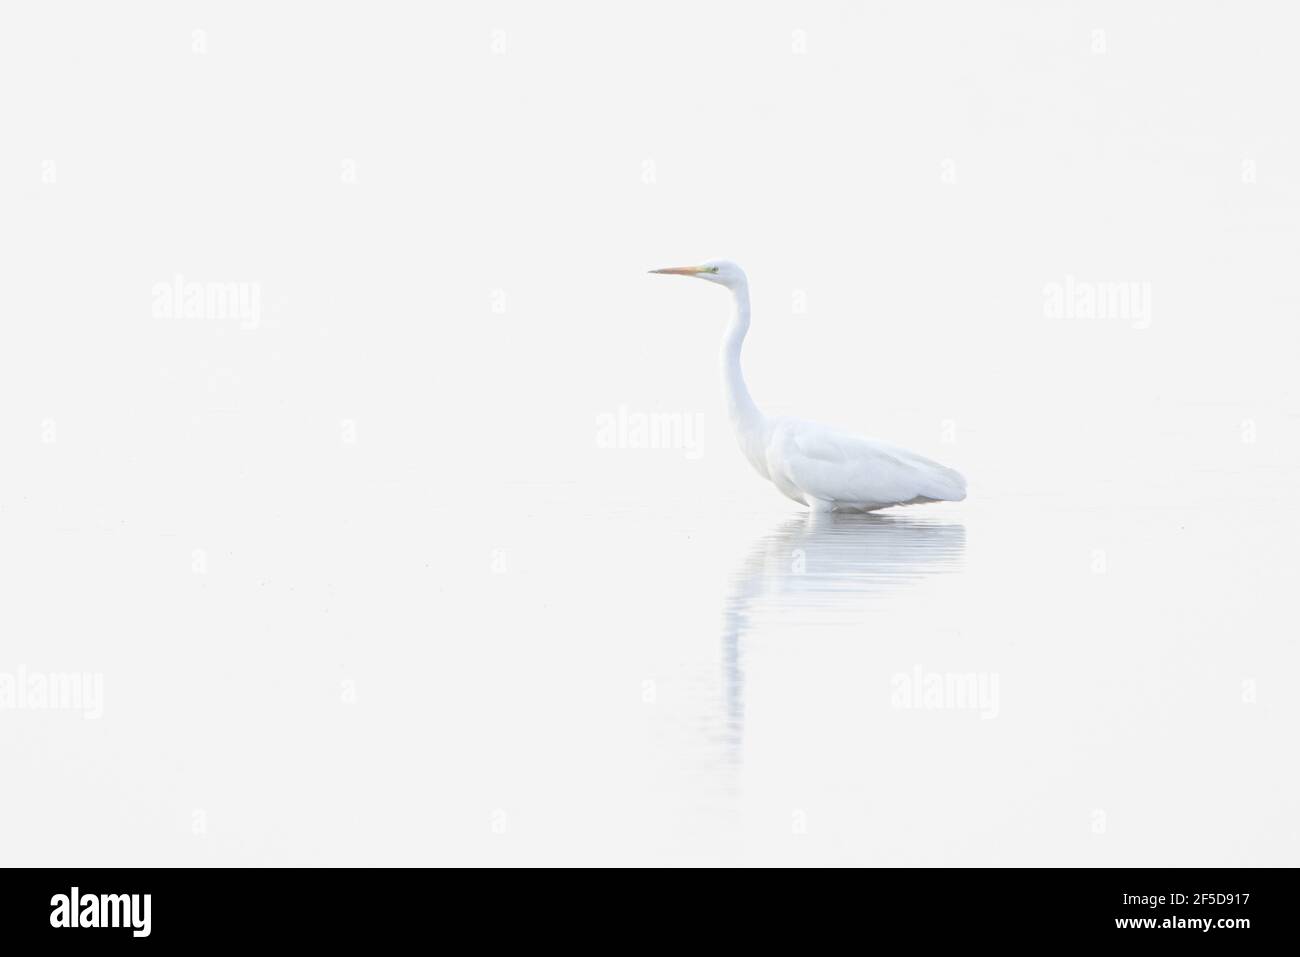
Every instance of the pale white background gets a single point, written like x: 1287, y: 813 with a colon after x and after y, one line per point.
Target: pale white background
x: 437, y: 622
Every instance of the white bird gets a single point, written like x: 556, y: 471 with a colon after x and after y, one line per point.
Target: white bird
x: 816, y: 466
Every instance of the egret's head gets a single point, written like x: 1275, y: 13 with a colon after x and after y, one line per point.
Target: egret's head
x: 722, y: 271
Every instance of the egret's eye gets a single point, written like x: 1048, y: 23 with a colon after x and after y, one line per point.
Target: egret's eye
x: 713, y: 269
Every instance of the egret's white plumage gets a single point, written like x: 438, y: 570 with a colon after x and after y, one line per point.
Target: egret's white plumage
x: 810, y: 463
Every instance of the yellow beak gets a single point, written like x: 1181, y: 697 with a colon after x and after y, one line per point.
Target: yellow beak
x: 684, y: 270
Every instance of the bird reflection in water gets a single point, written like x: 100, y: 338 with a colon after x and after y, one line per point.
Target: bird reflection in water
x: 808, y: 566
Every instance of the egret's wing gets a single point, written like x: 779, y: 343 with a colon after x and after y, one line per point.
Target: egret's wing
x: 836, y: 467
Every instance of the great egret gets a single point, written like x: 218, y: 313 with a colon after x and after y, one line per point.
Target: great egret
x: 816, y: 466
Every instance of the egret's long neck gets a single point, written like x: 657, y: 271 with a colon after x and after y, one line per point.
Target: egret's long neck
x: 744, y: 414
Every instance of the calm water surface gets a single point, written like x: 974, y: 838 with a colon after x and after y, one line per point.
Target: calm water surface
x: 1008, y: 681
x: 981, y: 684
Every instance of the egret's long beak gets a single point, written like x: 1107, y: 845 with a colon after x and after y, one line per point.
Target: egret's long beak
x: 685, y: 270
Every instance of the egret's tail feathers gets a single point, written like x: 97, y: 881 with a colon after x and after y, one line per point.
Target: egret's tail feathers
x: 944, y: 485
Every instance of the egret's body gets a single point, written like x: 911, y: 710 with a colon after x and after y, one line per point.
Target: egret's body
x: 822, y: 468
